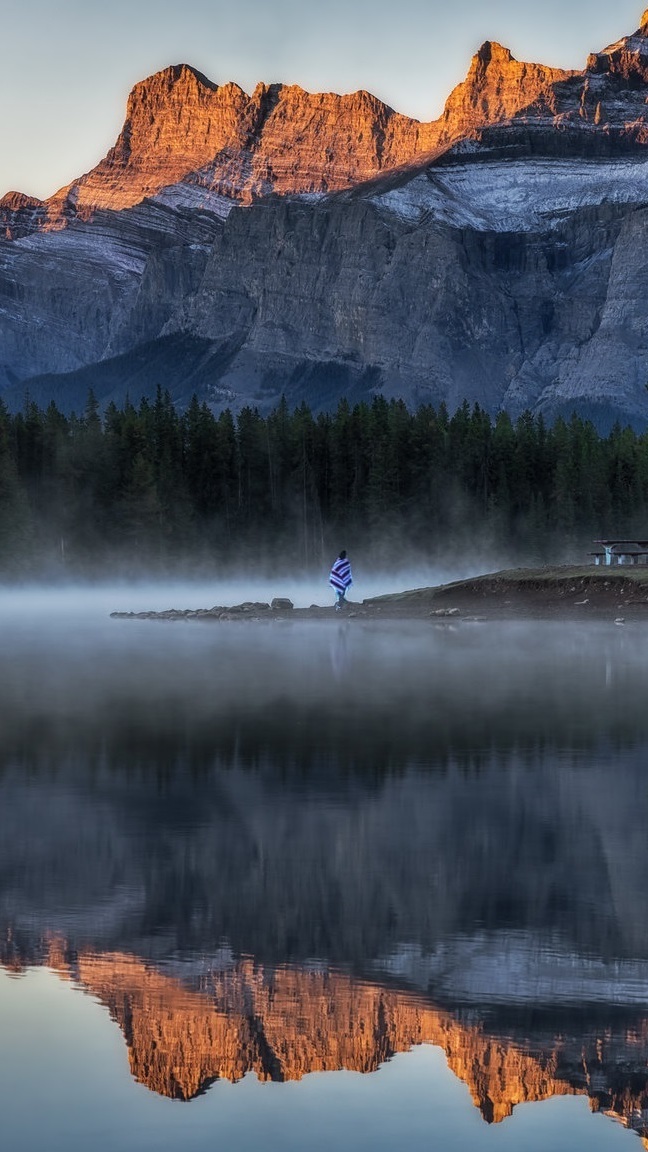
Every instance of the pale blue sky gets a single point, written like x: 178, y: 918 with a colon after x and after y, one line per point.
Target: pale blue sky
x: 67, y: 67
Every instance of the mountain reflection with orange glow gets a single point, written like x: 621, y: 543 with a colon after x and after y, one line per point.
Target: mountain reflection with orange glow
x: 223, y: 1021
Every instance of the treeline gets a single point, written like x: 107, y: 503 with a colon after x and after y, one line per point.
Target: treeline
x: 149, y: 488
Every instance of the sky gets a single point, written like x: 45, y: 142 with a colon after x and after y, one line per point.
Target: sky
x: 67, y: 68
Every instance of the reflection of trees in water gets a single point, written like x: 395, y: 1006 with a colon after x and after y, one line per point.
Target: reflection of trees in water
x: 407, y: 804
x: 311, y: 740
x: 351, y: 869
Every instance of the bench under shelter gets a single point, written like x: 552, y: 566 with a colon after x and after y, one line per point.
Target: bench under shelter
x: 621, y: 552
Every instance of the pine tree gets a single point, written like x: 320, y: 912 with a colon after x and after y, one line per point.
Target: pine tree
x: 16, y: 524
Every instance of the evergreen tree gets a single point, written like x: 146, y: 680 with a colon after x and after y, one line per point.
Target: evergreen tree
x: 147, y: 484
x: 16, y: 525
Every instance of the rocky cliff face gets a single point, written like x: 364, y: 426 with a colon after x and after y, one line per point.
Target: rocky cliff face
x: 242, y: 247
x: 216, y: 141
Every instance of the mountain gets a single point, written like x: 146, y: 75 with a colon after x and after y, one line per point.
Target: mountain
x: 222, y: 146
x: 244, y: 246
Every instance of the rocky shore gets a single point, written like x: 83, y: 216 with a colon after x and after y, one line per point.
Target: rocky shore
x: 579, y: 593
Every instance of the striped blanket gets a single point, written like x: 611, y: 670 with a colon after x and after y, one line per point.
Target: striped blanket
x: 340, y: 576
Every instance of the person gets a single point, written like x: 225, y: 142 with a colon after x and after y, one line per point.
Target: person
x: 341, y: 579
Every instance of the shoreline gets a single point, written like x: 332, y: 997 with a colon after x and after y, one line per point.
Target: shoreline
x: 569, y: 592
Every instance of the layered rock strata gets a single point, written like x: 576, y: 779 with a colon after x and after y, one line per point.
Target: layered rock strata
x: 493, y: 255
x: 182, y: 128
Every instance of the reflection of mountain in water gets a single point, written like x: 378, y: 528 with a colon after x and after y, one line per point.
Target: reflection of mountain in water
x: 490, y: 912
x: 448, y: 847
x: 282, y: 1024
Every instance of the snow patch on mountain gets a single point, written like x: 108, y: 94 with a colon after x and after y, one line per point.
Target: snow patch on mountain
x: 195, y: 197
x: 515, y: 196
x: 84, y: 246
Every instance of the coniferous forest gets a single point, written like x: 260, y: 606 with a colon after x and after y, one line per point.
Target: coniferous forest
x: 151, y: 490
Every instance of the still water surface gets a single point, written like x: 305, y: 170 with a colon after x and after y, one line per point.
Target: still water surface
x: 334, y: 885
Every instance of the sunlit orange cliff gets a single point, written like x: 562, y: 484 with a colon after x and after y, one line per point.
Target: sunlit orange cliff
x: 182, y: 128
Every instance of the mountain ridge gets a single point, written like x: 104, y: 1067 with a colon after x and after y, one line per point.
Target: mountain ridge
x: 180, y: 125
x: 328, y: 246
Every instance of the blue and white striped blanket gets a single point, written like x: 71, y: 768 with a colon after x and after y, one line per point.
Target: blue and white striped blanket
x: 340, y: 576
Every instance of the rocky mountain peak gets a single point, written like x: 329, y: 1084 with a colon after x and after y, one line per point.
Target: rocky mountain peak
x: 492, y: 53
x: 180, y: 96
x: 182, y: 128
x: 195, y: 142
x: 626, y: 58
x: 14, y: 201
x: 497, y: 88
x: 175, y: 76
x: 20, y: 214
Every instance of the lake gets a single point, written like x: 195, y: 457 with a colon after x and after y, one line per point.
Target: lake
x: 363, y: 885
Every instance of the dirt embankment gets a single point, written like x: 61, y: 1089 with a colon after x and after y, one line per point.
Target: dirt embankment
x: 573, y: 592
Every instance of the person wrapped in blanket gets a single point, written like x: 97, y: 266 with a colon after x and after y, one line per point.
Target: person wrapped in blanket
x: 341, y: 579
